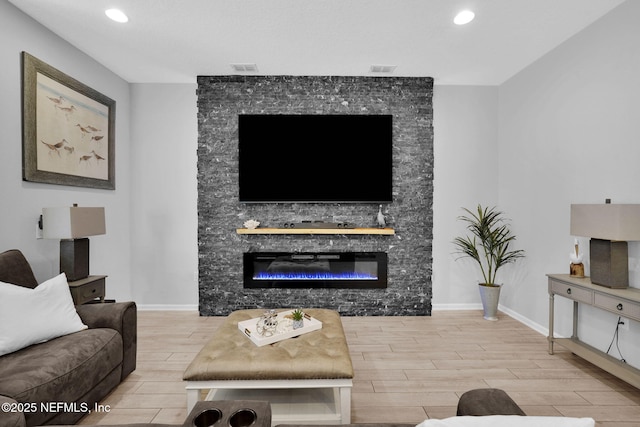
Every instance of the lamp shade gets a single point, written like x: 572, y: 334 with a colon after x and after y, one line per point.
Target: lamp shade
x: 606, y: 221
x: 72, y: 222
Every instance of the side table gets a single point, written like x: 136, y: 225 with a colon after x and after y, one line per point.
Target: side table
x: 87, y: 289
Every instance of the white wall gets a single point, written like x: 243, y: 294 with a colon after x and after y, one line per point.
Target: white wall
x: 465, y: 174
x: 569, y: 134
x: 22, y: 202
x: 164, y: 217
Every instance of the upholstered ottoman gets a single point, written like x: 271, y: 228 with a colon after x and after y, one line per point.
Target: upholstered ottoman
x: 306, y: 379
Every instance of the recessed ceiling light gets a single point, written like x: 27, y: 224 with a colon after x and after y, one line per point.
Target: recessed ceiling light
x: 116, y: 15
x: 464, y: 17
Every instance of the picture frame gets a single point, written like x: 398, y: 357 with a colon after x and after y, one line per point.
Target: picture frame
x: 68, y: 129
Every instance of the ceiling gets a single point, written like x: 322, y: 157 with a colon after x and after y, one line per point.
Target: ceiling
x: 173, y: 41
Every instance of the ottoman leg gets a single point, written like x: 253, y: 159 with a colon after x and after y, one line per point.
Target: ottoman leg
x: 193, y: 395
x: 345, y: 405
x: 487, y: 401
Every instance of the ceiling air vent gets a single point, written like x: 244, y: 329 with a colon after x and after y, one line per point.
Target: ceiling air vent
x: 388, y: 69
x: 245, y: 68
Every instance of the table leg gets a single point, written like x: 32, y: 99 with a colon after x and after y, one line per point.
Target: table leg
x: 193, y: 395
x: 345, y: 405
x: 551, y: 307
x: 575, y: 320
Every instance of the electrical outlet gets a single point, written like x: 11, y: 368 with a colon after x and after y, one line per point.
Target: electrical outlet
x: 624, y: 324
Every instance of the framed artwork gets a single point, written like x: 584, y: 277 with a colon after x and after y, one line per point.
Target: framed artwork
x: 68, y: 129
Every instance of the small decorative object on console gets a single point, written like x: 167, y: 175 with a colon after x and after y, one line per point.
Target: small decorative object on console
x: 576, y: 268
x: 251, y: 224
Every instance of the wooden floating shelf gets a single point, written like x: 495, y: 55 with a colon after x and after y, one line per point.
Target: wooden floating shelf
x: 267, y: 230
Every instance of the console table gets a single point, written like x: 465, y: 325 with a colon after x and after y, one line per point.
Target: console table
x: 623, y: 302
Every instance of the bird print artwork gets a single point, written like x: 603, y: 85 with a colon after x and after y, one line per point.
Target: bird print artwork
x: 72, y: 131
x: 83, y: 130
x: 97, y: 156
x: 53, y: 148
x: 380, y: 219
x: 67, y: 111
x: 57, y: 102
x: 85, y: 159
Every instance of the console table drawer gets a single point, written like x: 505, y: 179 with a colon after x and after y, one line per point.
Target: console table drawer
x: 616, y: 305
x: 572, y: 292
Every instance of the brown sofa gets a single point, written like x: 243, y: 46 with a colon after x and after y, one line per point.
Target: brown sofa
x: 58, y: 381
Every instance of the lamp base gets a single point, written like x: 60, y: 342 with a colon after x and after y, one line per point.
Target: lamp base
x: 74, y: 258
x: 609, y: 263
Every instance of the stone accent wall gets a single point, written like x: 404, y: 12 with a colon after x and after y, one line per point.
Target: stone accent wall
x: 221, y: 99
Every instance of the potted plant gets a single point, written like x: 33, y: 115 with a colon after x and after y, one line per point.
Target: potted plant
x: 488, y: 245
x: 298, y: 318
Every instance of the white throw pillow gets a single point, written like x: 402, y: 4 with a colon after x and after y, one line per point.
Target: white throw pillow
x: 31, y: 316
x: 509, y: 421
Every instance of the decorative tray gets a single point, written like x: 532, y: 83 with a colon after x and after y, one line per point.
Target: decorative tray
x: 282, y: 331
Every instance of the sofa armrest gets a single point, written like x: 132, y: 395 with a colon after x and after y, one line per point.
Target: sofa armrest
x: 10, y: 417
x: 121, y: 316
x: 487, y: 401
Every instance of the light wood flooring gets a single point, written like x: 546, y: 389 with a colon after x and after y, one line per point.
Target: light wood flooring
x: 407, y: 369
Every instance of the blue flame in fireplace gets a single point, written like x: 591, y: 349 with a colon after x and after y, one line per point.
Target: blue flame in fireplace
x: 265, y: 275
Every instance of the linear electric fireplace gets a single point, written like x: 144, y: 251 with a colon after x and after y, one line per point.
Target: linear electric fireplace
x: 315, y: 270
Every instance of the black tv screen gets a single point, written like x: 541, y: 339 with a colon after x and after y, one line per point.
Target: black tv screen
x: 315, y: 158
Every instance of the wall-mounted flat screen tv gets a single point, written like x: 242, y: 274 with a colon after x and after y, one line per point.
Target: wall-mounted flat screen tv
x: 315, y: 158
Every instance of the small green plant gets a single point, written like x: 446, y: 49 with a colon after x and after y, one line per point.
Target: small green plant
x: 489, y: 242
x: 297, y: 314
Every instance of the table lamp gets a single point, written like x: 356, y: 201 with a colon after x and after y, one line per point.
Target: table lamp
x: 609, y: 226
x: 72, y: 225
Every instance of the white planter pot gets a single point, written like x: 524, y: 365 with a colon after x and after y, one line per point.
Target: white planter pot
x: 490, y: 296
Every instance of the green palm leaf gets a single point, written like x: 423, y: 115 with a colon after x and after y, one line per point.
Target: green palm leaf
x: 488, y: 243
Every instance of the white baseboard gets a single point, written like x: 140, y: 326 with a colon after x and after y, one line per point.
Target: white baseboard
x: 451, y: 307
x: 167, y: 307
x: 524, y: 320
